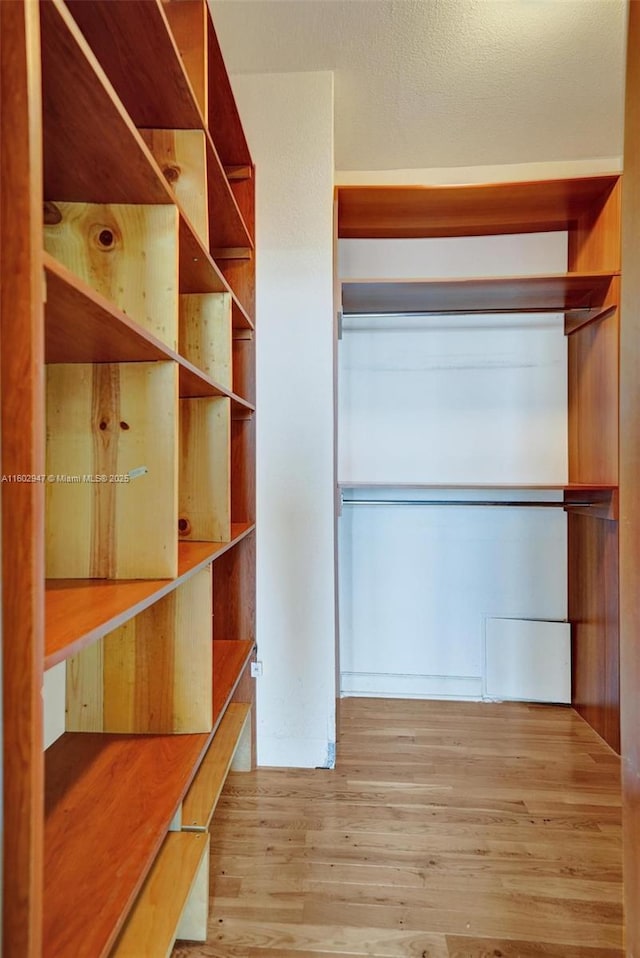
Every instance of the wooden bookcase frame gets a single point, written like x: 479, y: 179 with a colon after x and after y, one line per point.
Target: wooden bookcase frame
x: 145, y: 157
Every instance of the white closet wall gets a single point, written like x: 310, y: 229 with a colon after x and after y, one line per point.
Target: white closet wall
x: 445, y: 401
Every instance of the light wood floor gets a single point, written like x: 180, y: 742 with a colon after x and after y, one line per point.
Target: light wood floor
x: 447, y: 830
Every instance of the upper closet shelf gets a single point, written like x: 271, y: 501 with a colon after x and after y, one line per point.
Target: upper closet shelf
x: 151, y: 81
x: 92, y: 150
x: 393, y: 212
x: 583, y: 292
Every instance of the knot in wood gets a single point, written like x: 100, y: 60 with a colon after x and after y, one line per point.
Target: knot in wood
x: 184, y: 526
x: 51, y: 214
x: 171, y: 173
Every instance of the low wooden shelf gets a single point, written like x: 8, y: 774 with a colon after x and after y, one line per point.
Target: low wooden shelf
x: 517, y: 294
x: 151, y: 928
x: 109, y: 800
x: 79, y: 611
x: 201, y: 799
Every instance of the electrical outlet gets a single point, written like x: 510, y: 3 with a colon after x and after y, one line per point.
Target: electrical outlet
x: 256, y: 670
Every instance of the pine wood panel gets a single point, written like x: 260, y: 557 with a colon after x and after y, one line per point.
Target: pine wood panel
x: 77, y: 612
x: 151, y: 928
x: 188, y: 22
x: 92, y: 150
x: 205, y: 335
x: 150, y: 77
x: 444, y: 824
x: 109, y: 802
x: 629, y: 474
x: 484, y: 209
x: 516, y: 294
x: 109, y: 420
x: 152, y: 674
x: 181, y: 156
x: 22, y: 432
x: 129, y: 254
x: 204, y: 501
x: 201, y: 799
x: 593, y: 612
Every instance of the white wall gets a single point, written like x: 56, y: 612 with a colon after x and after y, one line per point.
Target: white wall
x: 447, y: 400
x: 288, y: 120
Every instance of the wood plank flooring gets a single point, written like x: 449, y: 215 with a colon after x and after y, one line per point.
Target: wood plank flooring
x: 447, y: 830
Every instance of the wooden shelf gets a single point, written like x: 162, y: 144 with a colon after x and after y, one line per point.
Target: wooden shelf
x: 92, y: 151
x: 150, y: 930
x: 519, y: 294
x: 230, y: 657
x: 109, y: 800
x: 419, y: 211
x: 542, y: 487
x: 224, y: 120
x: 200, y: 274
x: 148, y: 76
x: 79, y: 611
x: 202, y: 798
x: 81, y: 326
x: 156, y: 91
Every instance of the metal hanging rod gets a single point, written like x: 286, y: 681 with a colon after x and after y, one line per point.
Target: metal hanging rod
x: 529, y: 503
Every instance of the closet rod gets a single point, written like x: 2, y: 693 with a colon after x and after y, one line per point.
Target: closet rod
x: 529, y: 503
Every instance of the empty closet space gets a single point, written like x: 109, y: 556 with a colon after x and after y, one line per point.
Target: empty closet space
x: 477, y: 425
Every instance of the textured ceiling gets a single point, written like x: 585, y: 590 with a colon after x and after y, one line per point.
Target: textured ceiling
x: 430, y: 83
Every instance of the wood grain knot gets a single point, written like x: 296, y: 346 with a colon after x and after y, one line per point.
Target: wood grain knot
x: 184, y: 527
x: 51, y: 214
x: 124, y: 425
x: 171, y: 173
x: 103, y: 425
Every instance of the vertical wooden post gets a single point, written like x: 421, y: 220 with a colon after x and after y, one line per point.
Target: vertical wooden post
x: 22, y: 339
x: 629, y: 497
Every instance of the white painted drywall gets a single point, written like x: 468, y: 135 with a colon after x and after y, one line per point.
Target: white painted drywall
x: 528, y: 660
x: 447, y: 400
x: 288, y: 121
x: 54, y: 694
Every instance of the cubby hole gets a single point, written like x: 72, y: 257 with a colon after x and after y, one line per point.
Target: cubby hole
x: 182, y: 157
x: 205, y: 335
x: 111, y: 462
x: 204, y: 479
x: 128, y: 253
x: 154, y: 674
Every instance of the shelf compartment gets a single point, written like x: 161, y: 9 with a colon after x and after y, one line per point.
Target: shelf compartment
x: 137, y: 784
x: 200, y: 274
x: 233, y: 576
x: 518, y: 294
x: 92, y: 151
x: 230, y: 658
x: 156, y: 92
x: 151, y: 675
x: 156, y: 917
x: 188, y: 21
x: 82, y: 326
x: 78, y: 612
x: 201, y: 799
x: 205, y: 334
x: 223, y: 117
x: 395, y: 212
x: 228, y: 232
x: 127, y: 253
x: 112, y: 444
x: 182, y: 158
x: 204, y: 511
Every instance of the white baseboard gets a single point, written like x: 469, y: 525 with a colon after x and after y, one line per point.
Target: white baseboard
x: 387, y: 685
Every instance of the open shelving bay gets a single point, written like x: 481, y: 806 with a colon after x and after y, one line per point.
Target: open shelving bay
x: 143, y: 511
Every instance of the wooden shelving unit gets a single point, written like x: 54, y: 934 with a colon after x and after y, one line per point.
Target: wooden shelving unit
x: 588, y: 208
x: 139, y: 323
